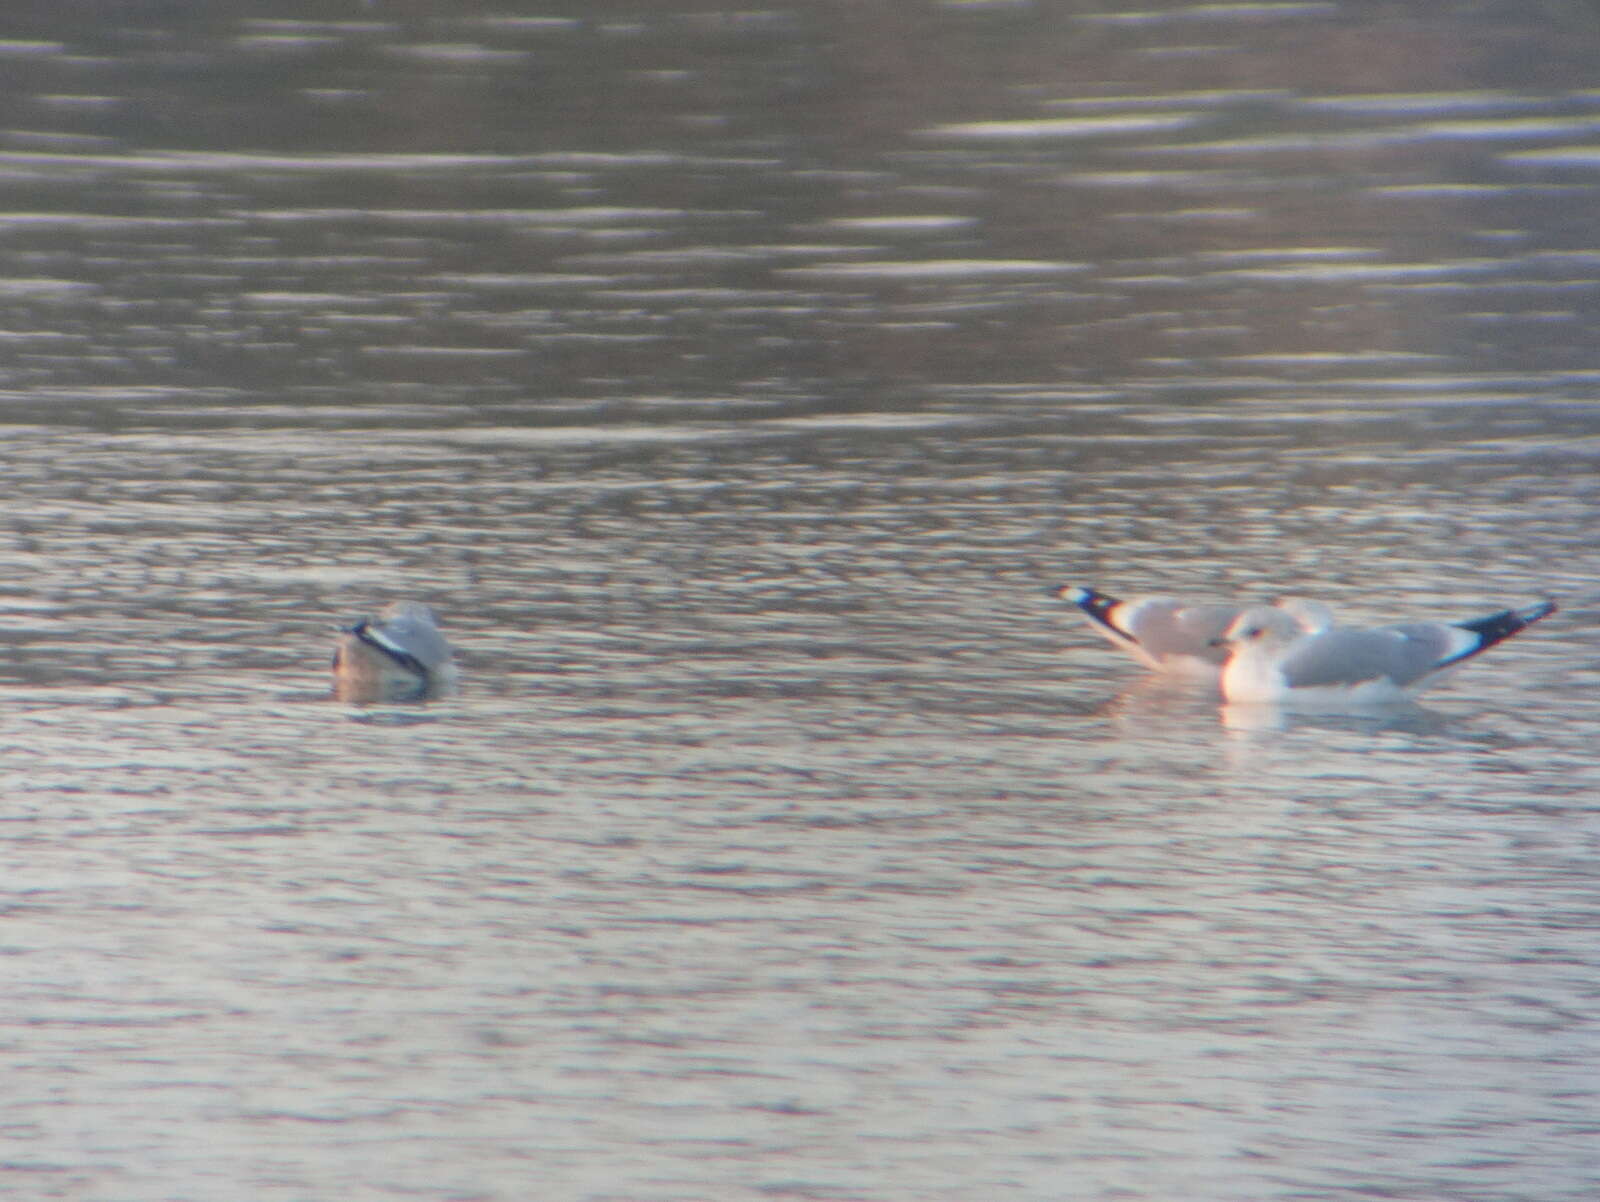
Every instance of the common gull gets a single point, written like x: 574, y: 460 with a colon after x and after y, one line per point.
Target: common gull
x: 1273, y: 660
x: 1169, y: 635
x: 400, y: 657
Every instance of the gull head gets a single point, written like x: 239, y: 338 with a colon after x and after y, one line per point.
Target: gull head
x: 1261, y: 626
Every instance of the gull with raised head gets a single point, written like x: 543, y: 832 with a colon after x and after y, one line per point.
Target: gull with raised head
x: 1273, y: 660
x: 400, y: 657
x: 1168, y: 635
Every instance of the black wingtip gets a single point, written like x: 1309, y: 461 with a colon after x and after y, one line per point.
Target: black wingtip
x: 1497, y: 627
x: 1097, y: 606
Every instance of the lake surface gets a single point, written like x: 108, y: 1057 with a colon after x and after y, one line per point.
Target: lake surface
x: 737, y: 384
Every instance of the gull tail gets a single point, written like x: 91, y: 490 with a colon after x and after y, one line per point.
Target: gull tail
x: 1497, y: 627
x: 1098, y: 607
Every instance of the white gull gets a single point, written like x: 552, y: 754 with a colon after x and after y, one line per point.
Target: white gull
x: 1274, y: 660
x: 1182, y: 637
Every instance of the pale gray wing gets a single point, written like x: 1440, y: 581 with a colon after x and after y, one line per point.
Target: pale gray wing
x: 410, y: 628
x: 1350, y: 657
x: 1189, y: 630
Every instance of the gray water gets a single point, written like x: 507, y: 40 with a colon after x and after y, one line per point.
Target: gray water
x: 736, y: 384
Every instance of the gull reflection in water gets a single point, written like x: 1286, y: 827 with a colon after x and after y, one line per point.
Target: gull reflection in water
x: 1245, y: 717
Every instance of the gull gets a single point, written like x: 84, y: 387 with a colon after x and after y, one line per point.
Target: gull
x: 400, y: 657
x: 1169, y: 635
x: 1273, y: 660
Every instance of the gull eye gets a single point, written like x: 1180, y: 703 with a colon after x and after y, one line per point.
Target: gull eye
x: 1254, y: 632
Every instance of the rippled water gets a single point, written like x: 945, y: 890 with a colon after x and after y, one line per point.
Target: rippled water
x: 736, y: 384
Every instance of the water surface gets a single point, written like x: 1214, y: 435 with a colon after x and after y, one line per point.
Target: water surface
x: 736, y: 385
